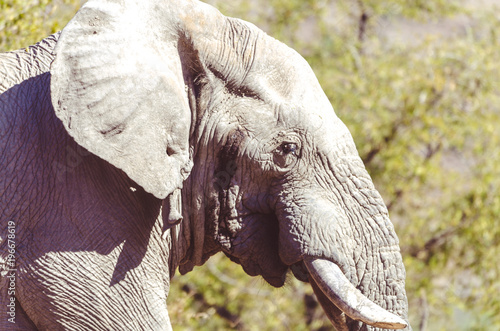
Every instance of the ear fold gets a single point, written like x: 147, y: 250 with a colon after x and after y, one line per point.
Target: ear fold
x: 119, y: 91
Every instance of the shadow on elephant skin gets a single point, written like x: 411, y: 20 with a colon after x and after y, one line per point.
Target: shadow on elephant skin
x: 68, y: 200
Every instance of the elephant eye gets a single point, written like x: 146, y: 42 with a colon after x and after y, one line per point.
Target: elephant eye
x: 289, y: 148
x: 286, y: 154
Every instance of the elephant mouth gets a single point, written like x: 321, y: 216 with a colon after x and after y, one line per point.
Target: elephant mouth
x: 339, y: 298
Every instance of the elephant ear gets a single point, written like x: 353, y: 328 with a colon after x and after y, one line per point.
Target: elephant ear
x: 117, y: 86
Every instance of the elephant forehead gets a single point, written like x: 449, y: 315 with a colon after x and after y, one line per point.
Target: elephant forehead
x: 320, y: 121
x: 266, y: 122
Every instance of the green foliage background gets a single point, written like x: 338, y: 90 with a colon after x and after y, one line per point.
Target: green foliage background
x: 423, y: 108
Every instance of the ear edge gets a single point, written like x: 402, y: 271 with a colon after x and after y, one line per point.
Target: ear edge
x: 76, y: 104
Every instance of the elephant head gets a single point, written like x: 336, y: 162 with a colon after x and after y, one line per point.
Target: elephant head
x: 232, y: 129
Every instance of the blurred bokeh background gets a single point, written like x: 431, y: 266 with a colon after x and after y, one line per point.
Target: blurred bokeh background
x: 418, y: 84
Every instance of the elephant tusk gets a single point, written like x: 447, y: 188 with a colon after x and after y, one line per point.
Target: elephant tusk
x: 334, y: 314
x: 335, y: 286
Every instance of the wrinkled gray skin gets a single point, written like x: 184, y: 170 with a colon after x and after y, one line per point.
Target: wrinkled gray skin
x: 162, y: 133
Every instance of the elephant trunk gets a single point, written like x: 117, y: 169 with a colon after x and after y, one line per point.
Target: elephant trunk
x: 353, y: 264
x: 338, y: 227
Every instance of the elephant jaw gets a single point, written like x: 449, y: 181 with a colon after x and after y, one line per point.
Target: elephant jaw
x: 337, y: 295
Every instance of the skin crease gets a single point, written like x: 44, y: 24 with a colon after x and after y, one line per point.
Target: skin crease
x: 265, y: 170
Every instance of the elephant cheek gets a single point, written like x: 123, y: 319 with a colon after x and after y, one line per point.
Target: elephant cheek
x: 269, y: 266
x: 255, y: 248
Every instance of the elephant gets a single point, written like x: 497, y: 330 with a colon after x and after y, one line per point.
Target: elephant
x: 148, y: 136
